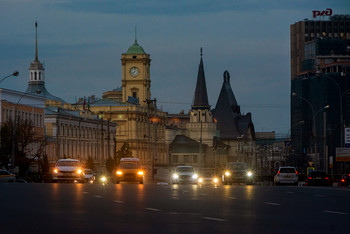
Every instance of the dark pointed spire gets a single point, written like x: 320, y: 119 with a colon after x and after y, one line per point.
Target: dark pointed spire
x: 135, y: 35
x: 36, y: 41
x: 200, y: 96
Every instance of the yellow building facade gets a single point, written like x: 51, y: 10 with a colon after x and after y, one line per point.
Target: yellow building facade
x: 140, y: 123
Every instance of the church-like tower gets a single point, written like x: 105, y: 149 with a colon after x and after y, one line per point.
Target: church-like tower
x: 136, y: 81
x: 201, y: 126
x: 36, y: 84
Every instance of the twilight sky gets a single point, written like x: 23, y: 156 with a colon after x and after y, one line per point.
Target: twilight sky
x: 81, y: 41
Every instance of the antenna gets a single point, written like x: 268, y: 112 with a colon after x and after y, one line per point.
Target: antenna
x: 135, y: 34
x: 36, y: 41
x: 201, y: 51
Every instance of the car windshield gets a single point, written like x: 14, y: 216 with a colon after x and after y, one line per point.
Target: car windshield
x: 318, y: 173
x: 88, y: 172
x: 184, y: 169
x: 287, y: 170
x: 68, y: 163
x: 237, y: 166
x: 129, y: 165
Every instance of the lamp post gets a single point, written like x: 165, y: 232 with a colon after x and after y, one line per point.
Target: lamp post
x: 15, y: 73
x: 14, y: 128
x: 314, y: 114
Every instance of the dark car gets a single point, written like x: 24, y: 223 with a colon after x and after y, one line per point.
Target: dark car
x: 317, y: 178
x: 345, y: 180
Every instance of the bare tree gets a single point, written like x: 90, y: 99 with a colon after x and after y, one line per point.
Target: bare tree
x: 27, y: 141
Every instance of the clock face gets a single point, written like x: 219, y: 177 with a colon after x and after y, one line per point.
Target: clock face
x: 134, y: 71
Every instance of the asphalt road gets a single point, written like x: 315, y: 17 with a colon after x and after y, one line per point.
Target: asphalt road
x: 162, y: 208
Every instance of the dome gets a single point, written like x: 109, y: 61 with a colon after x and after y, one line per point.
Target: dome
x: 135, y: 49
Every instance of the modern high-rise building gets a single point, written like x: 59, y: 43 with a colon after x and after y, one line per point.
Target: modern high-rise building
x: 303, y: 32
x: 320, y: 91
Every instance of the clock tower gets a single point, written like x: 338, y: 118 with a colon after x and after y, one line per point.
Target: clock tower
x: 136, y: 82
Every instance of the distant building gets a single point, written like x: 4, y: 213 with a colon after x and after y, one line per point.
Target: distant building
x: 271, y: 153
x: 320, y: 103
x: 79, y: 135
x: 302, y: 32
x: 140, y: 123
x: 69, y: 133
x: 17, y: 106
x: 212, y: 138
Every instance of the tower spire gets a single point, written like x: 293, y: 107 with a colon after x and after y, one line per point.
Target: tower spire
x: 36, y: 41
x: 200, y: 96
x: 135, y: 34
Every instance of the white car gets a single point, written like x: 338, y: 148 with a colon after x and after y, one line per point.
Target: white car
x: 286, y: 175
x: 68, y: 170
x: 89, y: 175
x: 7, y: 177
x: 184, y: 174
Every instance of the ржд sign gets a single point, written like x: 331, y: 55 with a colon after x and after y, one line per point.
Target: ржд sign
x: 327, y: 12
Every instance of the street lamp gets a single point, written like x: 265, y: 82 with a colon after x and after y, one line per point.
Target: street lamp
x: 314, y: 114
x: 13, y: 153
x: 15, y: 73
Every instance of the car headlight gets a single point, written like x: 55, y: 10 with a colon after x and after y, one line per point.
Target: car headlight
x: 103, y: 179
x: 200, y: 180
x: 140, y: 173
x: 227, y: 173
x: 79, y: 171
x: 215, y: 180
x: 194, y: 176
x: 175, y: 176
x: 249, y: 174
x: 55, y: 171
x: 119, y: 173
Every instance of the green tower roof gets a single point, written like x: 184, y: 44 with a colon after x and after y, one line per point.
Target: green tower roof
x: 135, y: 49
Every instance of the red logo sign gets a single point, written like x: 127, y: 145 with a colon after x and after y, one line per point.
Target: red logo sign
x: 327, y: 12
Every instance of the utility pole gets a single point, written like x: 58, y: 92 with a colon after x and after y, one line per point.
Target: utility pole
x: 150, y: 157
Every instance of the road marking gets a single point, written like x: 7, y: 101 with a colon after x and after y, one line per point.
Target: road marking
x: 98, y: 196
x: 233, y: 198
x: 214, y: 219
x: 152, y: 209
x: 119, y: 202
x: 334, y: 212
x: 272, y: 204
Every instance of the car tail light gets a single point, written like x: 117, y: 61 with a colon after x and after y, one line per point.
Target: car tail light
x: 326, y: 178
x: 310, y: 178
x: 296, y: 172
x: 342, y: 180
x: 278, y: 172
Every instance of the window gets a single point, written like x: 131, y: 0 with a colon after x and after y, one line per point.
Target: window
x: 186, y: 158
x: 195, y: 159
x: 134, y: 94
x: 175, y: 158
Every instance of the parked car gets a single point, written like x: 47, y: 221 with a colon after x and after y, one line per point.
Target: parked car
x: 317, y: 178
x: 345, y: 180
x: 286, y: 175
x: 184, y: 174
x: 237, y: 172
x: 7, y: 177
x: 69, y: 170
